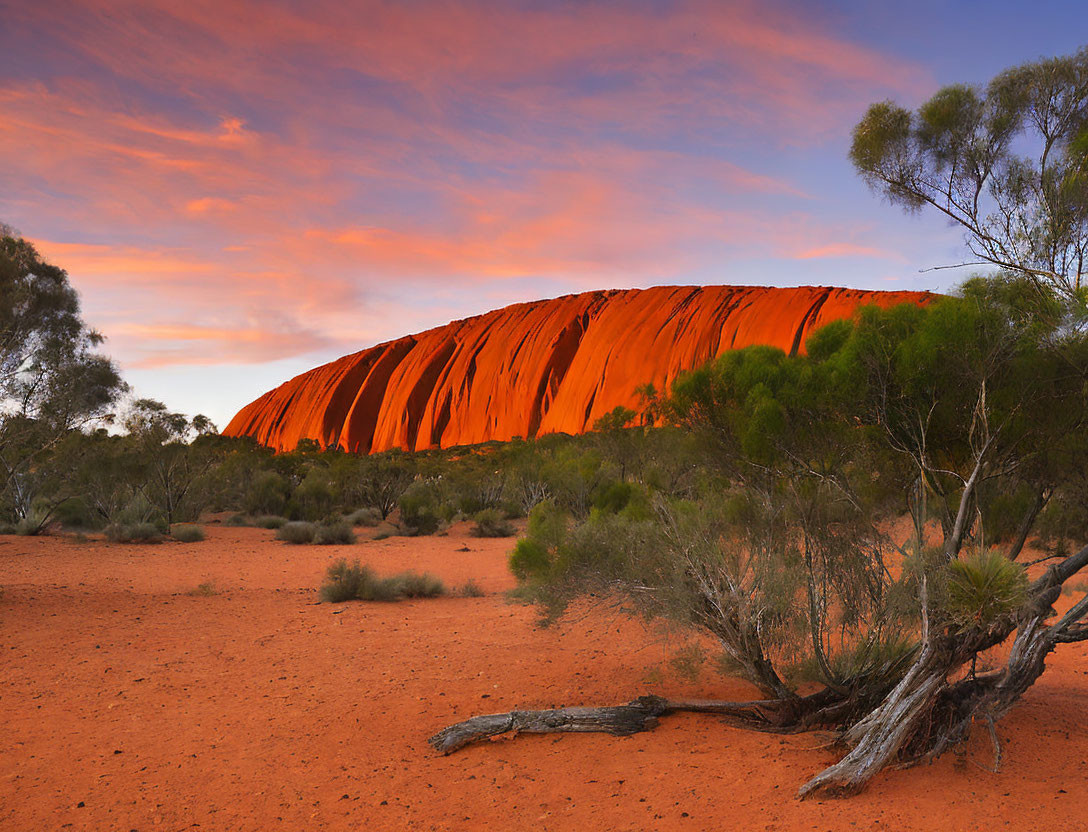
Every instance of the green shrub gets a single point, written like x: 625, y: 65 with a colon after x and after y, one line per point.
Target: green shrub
x: 365, y: 517
x: 470, y: 589
x: 8, y: 528
x: 334, y: 533
x: 187, y: 533
x: 238, y: 520
x: 270, y: 521
x: 267, y: 494
x: 296, y: 532
x: 420, y: 509
x: 490, y: 523
x: 354, y: 582
x: 133, y: 533
x: 529, y: 559
x: 29, y: 527
x: 416, y: 585
x: 75, y: 514
x: 982, y: 588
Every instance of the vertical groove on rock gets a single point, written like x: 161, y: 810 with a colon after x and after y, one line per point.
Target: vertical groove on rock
x: 813, y: 311
x: 536, y: 368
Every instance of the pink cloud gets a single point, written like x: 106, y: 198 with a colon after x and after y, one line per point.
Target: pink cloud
x: 236, y: 179
x: 847, y: 250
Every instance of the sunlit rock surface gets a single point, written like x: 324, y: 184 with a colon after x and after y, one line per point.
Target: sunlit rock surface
x: 535, y: 368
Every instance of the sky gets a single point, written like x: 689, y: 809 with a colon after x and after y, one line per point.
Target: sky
x: 242, y: 190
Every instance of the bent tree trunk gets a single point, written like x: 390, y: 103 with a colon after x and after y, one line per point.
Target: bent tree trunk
x: 919, y: 718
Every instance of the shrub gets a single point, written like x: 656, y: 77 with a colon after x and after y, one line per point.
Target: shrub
x: 470, y: 589
x: 204, y: 590
x: 270, y: 521
x: 75, y: 514
x: 529, y: 559
x: 187, y: 533
x: 296, y: 532
x: 237, y: 520
x: 354, y: 582
x: 8, y: 528
x: 420, y: 509
x: 133, y: 533
x: 416, y: 585
x: 490, y: 523
x: 334, y: 533
x: 984, y: 587
x: 365, y: 517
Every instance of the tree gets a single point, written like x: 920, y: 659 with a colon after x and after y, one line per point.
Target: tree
x: 167, y: 459
x: 785, y: 560
x: 52, y: 380
x: 1008, y: 164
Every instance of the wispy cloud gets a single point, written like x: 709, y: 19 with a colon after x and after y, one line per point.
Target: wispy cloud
x: 237, y: 181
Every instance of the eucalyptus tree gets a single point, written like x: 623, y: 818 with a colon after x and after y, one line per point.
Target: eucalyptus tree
x: 52, y: 379
x: 1008, y: 164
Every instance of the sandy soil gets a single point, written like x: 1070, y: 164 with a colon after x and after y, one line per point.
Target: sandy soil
x: 129, y: 703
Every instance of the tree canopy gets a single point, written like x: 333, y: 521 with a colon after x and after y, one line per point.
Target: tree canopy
x: 1008, y: 164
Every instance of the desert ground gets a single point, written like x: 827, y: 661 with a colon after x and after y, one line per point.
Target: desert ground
x: 133, y: 702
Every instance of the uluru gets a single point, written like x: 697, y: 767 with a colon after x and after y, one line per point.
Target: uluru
x: 534, y: 368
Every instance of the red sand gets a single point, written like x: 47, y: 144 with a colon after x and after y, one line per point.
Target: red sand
x: 130, y: 704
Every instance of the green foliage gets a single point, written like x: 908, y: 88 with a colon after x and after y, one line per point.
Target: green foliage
x: 270, y: 521
x: 238, y: 520
x: 420, y: 507
x: 313, y: 499
x: 983, y: 588
x: 133, y: 533
x: 416, y: 585
x: 470, y: 589
x: 297, y: 532
x: 187, y: 533
x: 1008, y: 164
x: 344, y: 582
x: 365, y: 517
x: 267, y: 494
x: 491, y: 523
x: 334, y: 533
x: 529, y: 560
x: 354, y: 582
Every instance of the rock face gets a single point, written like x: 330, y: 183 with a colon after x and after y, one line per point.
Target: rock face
x: 533, y: 368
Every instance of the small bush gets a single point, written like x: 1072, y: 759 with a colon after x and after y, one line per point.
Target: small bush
x: 237, y: 520
x: 365, y: 517
x: 187, y: 533
x: 30, y: 527
x: 354, y: 582
x: 8, y: 528
x: 296, y: 532
x: 334, y: 533
x: 491, y: 523
x: 351, y: 582
x: 420, y: 509
x: 270, y: 521
x: 470, y: 589
x: 984, y: 587
x: 416, y: 585
x: 529, y: 560
x: 204, y: 590
x: 133, y: 533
